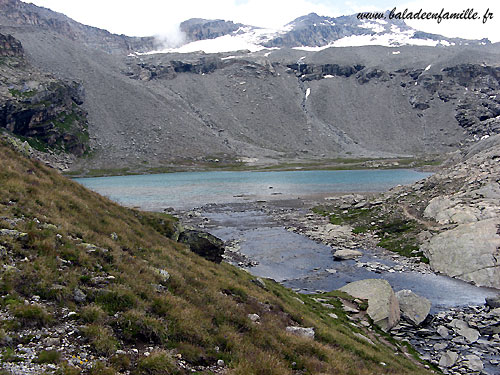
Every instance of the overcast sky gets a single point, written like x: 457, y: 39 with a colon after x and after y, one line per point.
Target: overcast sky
x: 161, y: 17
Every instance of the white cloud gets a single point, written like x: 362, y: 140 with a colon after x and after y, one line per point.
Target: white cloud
x: 149, y: 17
x: 153, y: 16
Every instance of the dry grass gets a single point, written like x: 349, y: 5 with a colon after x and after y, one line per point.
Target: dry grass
x: 200, y: 312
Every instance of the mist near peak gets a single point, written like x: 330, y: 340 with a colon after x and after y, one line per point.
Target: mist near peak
x: 171, y: 37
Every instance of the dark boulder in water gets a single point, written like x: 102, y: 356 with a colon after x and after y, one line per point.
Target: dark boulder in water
x: 203, y: 244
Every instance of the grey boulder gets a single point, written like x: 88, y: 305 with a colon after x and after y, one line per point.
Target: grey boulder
x: 414, y: 308
x: 346, y: 254
x: 383, y: 306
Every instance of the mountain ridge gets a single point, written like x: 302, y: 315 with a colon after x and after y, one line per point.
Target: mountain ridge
x: 274, y: 105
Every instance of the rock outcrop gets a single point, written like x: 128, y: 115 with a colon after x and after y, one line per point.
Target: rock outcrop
x: 467, y: 243
x: 200, y: 29
x: 203, y: 244
x: 383, y: 306
x: 38, y: 107
x: 10, y: 46
x: 469, y: 252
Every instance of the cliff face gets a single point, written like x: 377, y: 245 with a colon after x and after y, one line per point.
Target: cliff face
x: 200, y: 29
x: 39, y: 107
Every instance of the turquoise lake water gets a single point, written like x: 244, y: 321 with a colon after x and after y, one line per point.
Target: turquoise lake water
x: 185, y: 190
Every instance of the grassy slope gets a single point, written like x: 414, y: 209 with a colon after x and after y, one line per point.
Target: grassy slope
x: 202, y: 306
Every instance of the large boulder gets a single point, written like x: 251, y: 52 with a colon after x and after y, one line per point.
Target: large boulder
x: 383, y: 306
x: 468, y: 252
x: 414, y: 308
x: 203, y: 244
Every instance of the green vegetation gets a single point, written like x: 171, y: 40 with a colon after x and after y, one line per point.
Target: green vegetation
x: 158, y: 363
x: 200, y: 313
x: 49, y: 356
x: 234, y: 165
x: 23, y: 94
x: 31, y: 315
x: 396, y: 232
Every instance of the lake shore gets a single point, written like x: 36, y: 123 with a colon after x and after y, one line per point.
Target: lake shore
x: 460, y: 302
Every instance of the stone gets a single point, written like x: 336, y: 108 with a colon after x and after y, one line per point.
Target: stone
x: 301, y: 331
x: 165, y: 276
x: 467, y: 252
x: 443, y: 332
x: 448, y: 359
x: 259, y: 282
x: 203, y: 244
x: 364, y: 338
x: 473, y: 362
x: 470, y: 334
x: 333, y: 315
x: 440, y: 346
x: 349, y: 309
x: 414, y: 308
x: 253, y: 317
x: 79, y: 296
x: 220, y: 362
x: 346, y: 254
x: 495, y: 312
x: 383, y: 306
x: 493, y: 302
x: 14, y: 234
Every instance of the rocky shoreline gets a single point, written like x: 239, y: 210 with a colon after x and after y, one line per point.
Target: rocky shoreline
x: 460, y: 340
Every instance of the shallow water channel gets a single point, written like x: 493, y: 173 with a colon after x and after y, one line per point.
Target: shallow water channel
x: 307, y: 266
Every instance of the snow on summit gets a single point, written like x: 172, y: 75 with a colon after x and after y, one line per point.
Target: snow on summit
x: 310, y: 33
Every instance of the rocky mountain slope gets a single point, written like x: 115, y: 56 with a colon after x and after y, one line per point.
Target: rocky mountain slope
x: 271, y: 105
x: 90, y: 287
x: 316, y: 32
x: 38, y: 107
x: 27, y: 15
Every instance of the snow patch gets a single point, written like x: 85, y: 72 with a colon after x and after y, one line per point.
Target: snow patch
x: 396, y: 52
x: 313, y: 49
x: 308, y: 92
x: 428, y: 67
x: 328, y: 76
x: 228, y: 57
x: 376, y: 27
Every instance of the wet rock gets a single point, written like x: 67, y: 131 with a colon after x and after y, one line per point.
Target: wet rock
x: 346, y: 254
x: 383, y: 306
x: 301, y: 331
x: 448, y: 359
x: 414, y: 308
x: 203, y: 244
